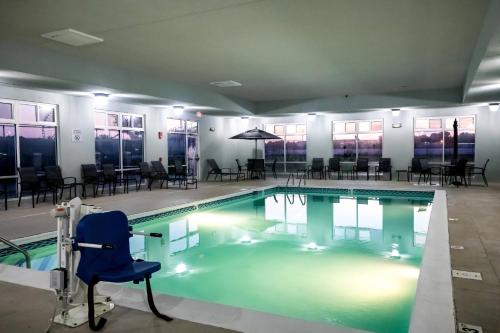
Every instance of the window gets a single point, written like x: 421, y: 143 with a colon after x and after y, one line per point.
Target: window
x: 183, y: 143
x: 290, y: 211
x: 433, y: 138
x: 182, y: 235
x: 290, y: 150
x: 358, y: 139
x: 122, y: 146
x: 28, y: 138
x: 358, y: 218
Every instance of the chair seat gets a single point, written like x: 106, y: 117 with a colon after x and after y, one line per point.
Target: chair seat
x: 136, y: 270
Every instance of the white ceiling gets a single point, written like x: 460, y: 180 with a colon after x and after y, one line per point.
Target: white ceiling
x: 278, y: 49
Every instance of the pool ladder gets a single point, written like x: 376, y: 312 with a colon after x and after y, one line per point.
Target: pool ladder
x: 19, y: 249
x: 292, y: 177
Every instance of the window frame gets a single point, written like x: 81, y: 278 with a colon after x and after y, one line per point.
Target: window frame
x: 120, y: 130
x: 357, y: 132
x: 443, y: 129
x: 284, y: 139
x: 187, y: 134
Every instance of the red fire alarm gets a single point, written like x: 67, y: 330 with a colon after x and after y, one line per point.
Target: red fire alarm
x: 160, y: 135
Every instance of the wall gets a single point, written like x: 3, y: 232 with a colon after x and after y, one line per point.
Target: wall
x: 77, y: 113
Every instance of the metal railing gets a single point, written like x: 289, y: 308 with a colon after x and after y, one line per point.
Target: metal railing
x: 19, y: 249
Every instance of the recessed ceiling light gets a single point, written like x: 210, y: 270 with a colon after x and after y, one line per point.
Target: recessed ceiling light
x: 311, y: 114
x: 72, y: 37
x: 178, y: 109
x: 494, y: 106
x: 226, y: 84
x: 100, y: 99
x: 395, y: 112
x: 244, y: 117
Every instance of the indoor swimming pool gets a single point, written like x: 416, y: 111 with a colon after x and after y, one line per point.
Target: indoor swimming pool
x: 335, y: 257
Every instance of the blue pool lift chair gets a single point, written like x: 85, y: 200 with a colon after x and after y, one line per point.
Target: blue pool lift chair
x: 103, y: 241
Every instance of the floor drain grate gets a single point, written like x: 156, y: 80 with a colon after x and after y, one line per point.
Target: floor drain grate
x: 467, y: 328
x: 457, y: 247
x: 466, y: 275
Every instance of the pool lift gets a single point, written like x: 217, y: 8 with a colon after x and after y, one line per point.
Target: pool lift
x: 72, y: 307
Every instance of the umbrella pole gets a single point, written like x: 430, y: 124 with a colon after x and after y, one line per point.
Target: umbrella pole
x: 255, y: 151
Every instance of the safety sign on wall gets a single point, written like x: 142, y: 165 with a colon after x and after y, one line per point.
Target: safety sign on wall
x: 76, y: 135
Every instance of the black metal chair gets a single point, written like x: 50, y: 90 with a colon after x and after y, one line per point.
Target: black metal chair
x: 111, y: 178
x: 160, y: 173
x: 242, y: 171
x: 427, y: 171
x: 216, y: 171
x: 28, y: 182
x: 456, y: 174
x: 5, y: 192
x: 317, y: 166
x: 361, y: 166
x: 478, y: 171
x: 272, y: 169
x: 334, y: 166
x: 384, y: 166
x: 55, y: 182
x: 90, y: 176
x: 145, y: 173
x: 414, y: 168
x: 180, y: 173
x: 257, y: 168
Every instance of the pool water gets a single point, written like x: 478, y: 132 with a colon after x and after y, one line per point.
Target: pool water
x: 339, y: 260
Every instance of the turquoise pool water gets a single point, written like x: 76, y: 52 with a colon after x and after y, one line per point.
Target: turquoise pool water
x: 334, y: 259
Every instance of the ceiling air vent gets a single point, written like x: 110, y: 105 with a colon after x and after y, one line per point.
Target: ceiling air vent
x: 226, y: 84
x: 72, y: 37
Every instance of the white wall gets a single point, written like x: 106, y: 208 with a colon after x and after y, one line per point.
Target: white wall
x: 78, y: 113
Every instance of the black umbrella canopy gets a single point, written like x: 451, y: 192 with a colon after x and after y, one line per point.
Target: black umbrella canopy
x: 255, y: 134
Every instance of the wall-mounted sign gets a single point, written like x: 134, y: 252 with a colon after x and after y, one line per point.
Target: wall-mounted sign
x: 76, y: 135
x: 397, y: 125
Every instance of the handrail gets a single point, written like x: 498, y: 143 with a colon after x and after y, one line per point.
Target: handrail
x: 292, y: 176
x: 18, y: 248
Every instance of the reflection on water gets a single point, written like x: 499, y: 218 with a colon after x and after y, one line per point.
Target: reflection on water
x: 351, y: 261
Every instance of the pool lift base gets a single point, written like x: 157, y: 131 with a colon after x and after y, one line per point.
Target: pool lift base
x: 78, y: 315
x: 72, y: 307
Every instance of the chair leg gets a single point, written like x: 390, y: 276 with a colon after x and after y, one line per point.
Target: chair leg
x: 484, y: 178
x: 20, y: 196
x: 90, y: 300
x: 151, y: 302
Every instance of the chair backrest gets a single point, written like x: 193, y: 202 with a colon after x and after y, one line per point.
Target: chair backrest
x: 258, y: 164
x: 238, y: 165
x: 317, y: 164
x: 334, y: 164
x: 179, y: 168
x: 362, y: 164
x: 144, y: 169
x: 461, y: 166
x: 384, y: 164
x: 251, y: 164
x: 89, y: 171
x: 415, y: 164
x: 28, y: 175
x: 486, y: 164
x: 108, y: 170
x: 110, y: 228
x: 213, y: 165
x: 158, y: 167
x: 53, y: 175
x: 424, y: 164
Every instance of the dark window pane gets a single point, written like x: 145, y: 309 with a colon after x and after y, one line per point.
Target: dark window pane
x: 370, y: 146
x: 126, y: 121
x: 466, y: 145
x: 107, y: 147
x: 274, y: 150
x: 429, y: 145
x: 137, y: 122
x: 5, y: 111
x: 7, y: 150
x: 37, y: 145
x: 27, y: 112
x: 133, y: 148
x: 46, y: 114
x: 344, y: 146
x: 10, y: 185
x: 296, y: 148
x: 176, y: 147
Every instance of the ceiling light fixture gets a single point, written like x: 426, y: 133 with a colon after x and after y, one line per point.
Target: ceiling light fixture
x: 199, y: 114
x: 395, y: 112
x: 245, y: 117
x: 311, y: 114
x: 226, y: 84
x: 72, y: 37
x: 100, y: 99
x: 494, y: 106
x: 178, y: 109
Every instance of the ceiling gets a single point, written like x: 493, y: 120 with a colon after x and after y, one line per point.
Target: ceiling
x: 278, y: 49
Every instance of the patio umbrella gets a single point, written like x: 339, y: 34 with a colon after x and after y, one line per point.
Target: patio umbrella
x: 455, y: 141
x: 255, y: 134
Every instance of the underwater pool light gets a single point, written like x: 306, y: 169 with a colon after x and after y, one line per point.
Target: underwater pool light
x: 312, y: 246
x: 395, y: 251
x: 181, y: 268
x: 245, y: 239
